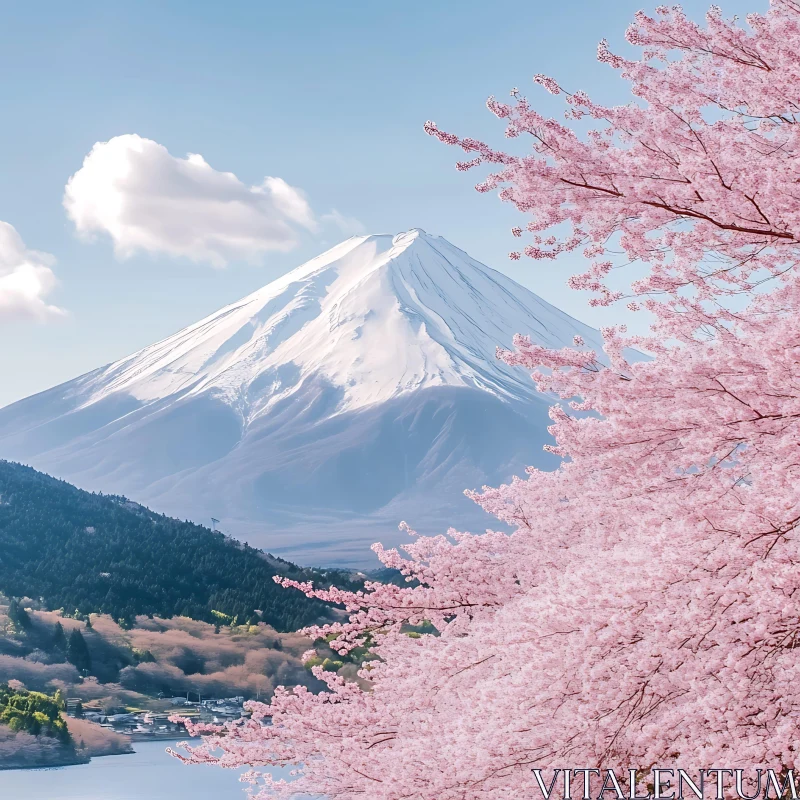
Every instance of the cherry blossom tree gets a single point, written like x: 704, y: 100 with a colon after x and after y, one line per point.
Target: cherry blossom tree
x: 645, y: 610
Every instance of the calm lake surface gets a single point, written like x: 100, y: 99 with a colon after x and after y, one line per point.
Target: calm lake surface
x: 147, y: 774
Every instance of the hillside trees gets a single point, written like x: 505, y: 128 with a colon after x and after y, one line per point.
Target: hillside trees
x: 93, y: 553
x: 645, y: 610
x: 59, y: 639
x: 78, y: 652
x: 18, y: 616
x: 32, y: 712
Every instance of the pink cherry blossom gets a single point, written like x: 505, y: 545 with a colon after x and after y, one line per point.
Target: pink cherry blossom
x: 644, y: 611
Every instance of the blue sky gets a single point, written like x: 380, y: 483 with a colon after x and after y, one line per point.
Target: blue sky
x: 328, y: 97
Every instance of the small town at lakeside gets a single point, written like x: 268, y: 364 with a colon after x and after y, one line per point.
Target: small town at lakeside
x: 142, y: 725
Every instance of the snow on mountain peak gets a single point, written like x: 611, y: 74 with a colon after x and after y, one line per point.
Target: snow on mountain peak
x: 311, y: 416
x: 375, y: 316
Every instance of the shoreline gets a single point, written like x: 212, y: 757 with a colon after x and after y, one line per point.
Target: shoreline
x: 168, y: 739
x: 76, y: 761
x: 148, y: 773
x: 84, y: 761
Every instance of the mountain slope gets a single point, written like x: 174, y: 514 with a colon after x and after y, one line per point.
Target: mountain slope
x: 312, y: 416
x: 97, y: 553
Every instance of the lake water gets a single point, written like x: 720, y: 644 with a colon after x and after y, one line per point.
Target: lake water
x: 147, y: 774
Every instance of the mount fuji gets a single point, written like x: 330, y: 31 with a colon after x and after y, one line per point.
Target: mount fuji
x: 312, y: 416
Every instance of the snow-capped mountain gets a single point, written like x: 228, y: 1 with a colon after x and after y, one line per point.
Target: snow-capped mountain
x: 311, y: 417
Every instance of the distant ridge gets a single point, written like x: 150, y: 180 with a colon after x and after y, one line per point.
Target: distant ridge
x: 312, y: 416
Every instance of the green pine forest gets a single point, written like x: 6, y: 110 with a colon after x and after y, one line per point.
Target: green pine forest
x: 84, y: 552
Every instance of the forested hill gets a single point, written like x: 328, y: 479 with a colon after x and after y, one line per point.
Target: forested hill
x: 98, y: 553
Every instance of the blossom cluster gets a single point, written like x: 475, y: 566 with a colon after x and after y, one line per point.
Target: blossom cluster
x: 645, y: 609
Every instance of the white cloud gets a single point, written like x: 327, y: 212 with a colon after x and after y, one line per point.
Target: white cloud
x: 146, y: 199
x: 291, y: 201
x: 26, y: 278
x: 349, y: 226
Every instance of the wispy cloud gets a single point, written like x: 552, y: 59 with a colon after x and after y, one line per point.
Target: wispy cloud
x: 349, y: 226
